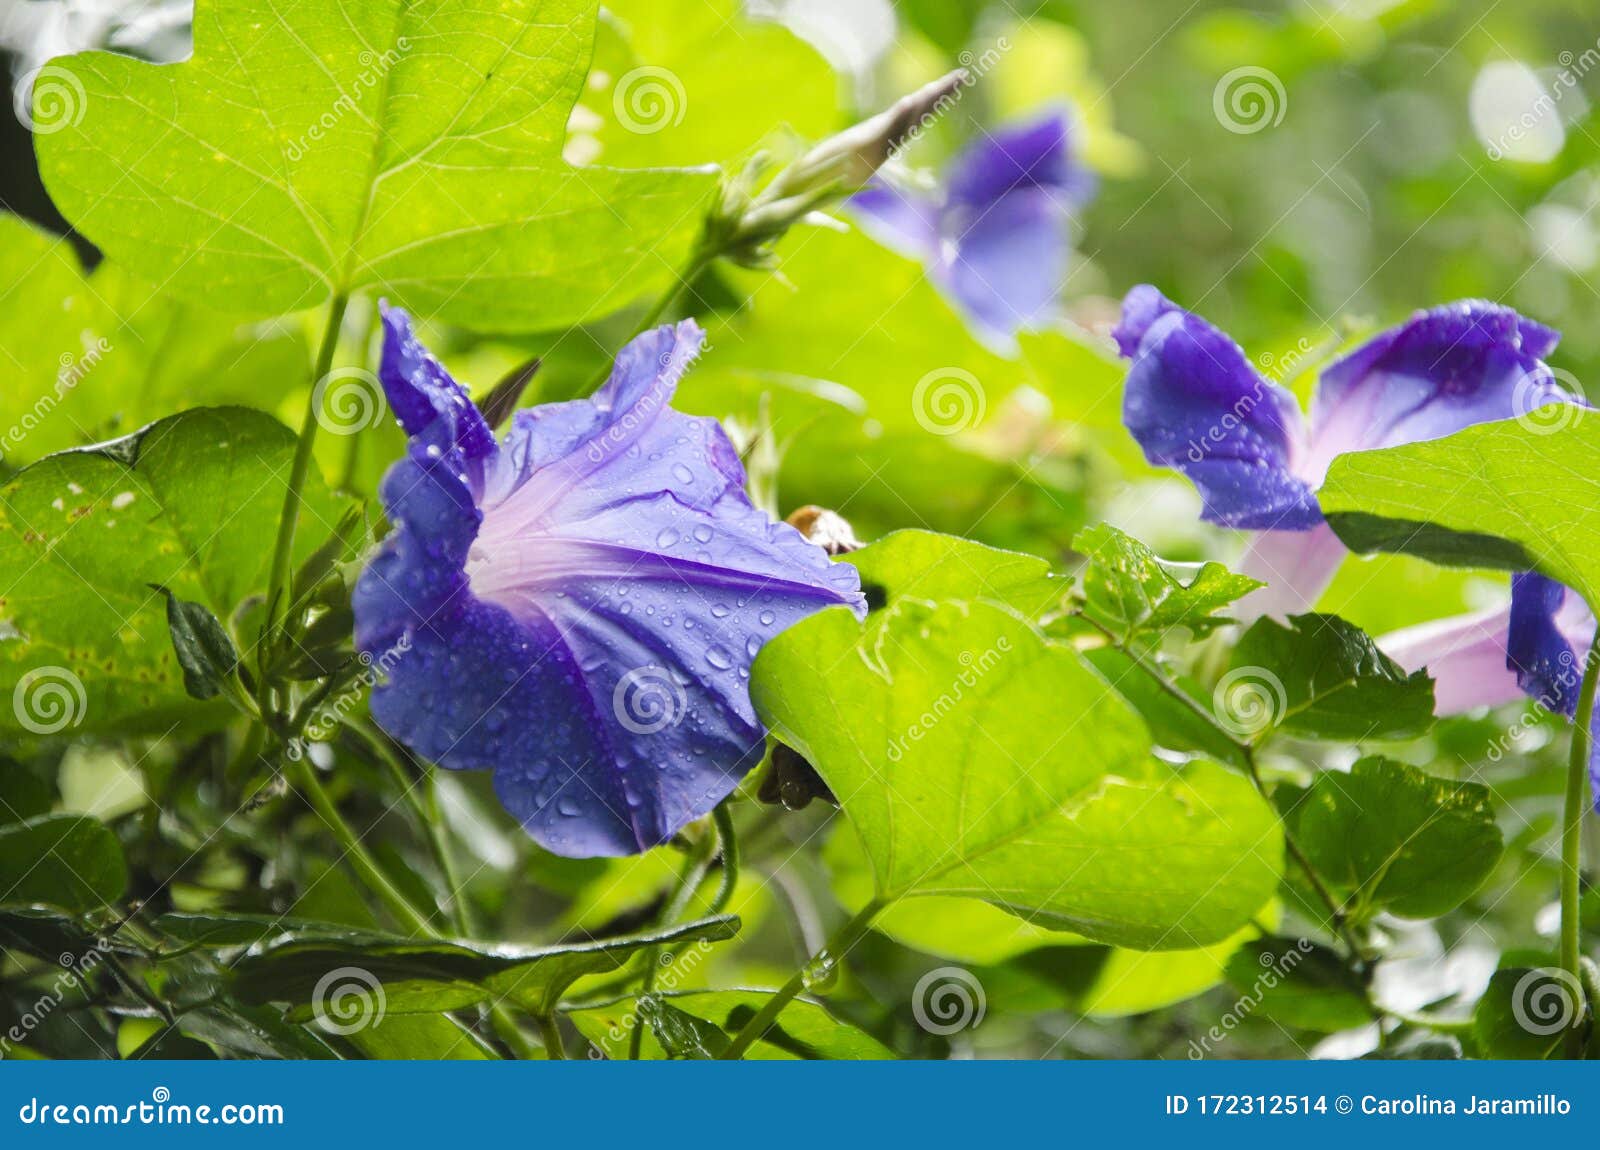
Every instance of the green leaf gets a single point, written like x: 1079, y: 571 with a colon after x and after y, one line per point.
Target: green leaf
x: 927, y: 565
x: 92, y: 356
x: 65, y: 861
x: 1525, y: 1013
x: 1299, y: 983
x: 1388, y: 836
x: 925, y: 724
x: 1172, y: 724
x: 1323, y: 678
x: 420, y: 976
x: 680, y: 1034
x: 184, y: 504
x: 307, y: 151
x: 417, y: 1038
x: 687, y: 81
x: 204, y: 650
x: 1128, y: 590
x: 1504, y: 495
x: 803, y: 1029
x: 1096, y: 980
x: 916, y: 364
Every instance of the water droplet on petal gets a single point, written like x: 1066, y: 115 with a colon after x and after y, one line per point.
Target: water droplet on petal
x: 703, y: 533
x: 719, y: 658
x: 667, y: 537
x: 767, y: 618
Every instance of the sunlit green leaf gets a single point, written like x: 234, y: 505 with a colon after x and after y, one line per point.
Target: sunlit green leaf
x: 309, y: 151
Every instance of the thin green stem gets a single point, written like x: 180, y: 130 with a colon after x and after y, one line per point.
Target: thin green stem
x: 360, y: 858
x: 1576, y: 806
x: 723, y: 818
x: 833, y: 951
x: 550, y: 1031
x: 352, y: 447
x: 1247, y: 752
x: 680, y: 283
x: 283, y: 550
x: 694, y: 871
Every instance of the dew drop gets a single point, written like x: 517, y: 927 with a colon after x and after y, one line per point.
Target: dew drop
x: 667, y: 537
x: 719, y: 658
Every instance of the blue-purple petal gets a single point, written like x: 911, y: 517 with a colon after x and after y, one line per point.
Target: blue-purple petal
x: 1036, y: 154
x: 582, y: 621
x: 899, y: 218
x: 429, y: 404
x: 1194, y: 402
x: 1008, y: 267
x: 1441, y: 371
x: 1547, y: 646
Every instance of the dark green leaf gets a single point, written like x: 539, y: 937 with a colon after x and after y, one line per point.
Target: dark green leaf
x: 1388, y: 836
x: 1526, y: 1012
x: 679, y: 1033
x: 1322, y: 678
x: 1299, y: 983
x: 67, y: 861
x: 416, y: 975
x: 204, y: 650
x: 803, y: 1029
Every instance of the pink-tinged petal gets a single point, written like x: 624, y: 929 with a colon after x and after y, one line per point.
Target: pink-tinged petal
x: 1465, y: 654
x: 1296, y: 566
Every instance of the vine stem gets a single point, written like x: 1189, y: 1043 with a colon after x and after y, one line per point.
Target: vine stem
x: 283, y: 550
x: 379, y: 883
x: 1576, y: 805
x: 1247, y: 751
x: 680, y: 283
x: 834, y: 950
x: 360, y: 858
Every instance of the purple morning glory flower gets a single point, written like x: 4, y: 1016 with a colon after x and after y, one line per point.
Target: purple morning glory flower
x: 996, y: 239
x: 1195, y: 403
x: 576, y: 607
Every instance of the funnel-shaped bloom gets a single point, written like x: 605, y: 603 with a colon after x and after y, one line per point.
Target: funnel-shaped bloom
x: 576, y: 607
x: 996, y: 238
x: 1195, y: 402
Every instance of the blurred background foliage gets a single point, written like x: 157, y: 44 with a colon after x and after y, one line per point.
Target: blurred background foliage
x: 1388, y: 180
